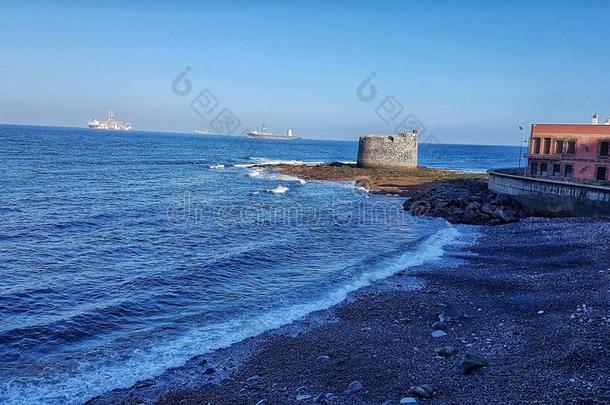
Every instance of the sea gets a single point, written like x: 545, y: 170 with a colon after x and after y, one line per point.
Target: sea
x: 123, y: 254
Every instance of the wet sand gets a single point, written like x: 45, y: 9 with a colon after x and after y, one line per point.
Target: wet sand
x: 532, y: 298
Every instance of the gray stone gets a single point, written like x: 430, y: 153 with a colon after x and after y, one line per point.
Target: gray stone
x: 438, y: 333
x: 439, y: 325
x: 424, y: 390
x: 262, y: 402
x: 445, y: 351
x: 472, y: 362
x: 448, y: 314
x: 408, y: 400
x: 209, y: 370
x: 303, y: 397
x: 323, y: 360
x: 353, y: 387
x: 322, y: 398
x: 505, y: 214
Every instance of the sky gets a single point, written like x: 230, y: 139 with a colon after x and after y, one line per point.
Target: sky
x: 462, y: 71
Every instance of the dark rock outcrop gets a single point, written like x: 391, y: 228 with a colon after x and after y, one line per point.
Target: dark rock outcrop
x: 465, y: 202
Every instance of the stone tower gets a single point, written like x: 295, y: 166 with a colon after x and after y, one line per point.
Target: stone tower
x: 388, y: 151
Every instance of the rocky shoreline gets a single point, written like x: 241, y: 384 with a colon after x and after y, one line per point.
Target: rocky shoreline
x: 465, y: 202
x: 460, y: 198
x: 493, y: 323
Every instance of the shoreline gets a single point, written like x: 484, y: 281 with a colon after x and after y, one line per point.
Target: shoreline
x: 540, y: 346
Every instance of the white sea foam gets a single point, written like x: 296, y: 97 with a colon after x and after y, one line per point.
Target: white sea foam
x: 354, y: 186
x: 216, y: 166
x: 278, y: 190
x: 254, y: 173
x: 87, y: 380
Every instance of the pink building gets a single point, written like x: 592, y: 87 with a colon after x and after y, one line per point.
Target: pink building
x: 570, y: 151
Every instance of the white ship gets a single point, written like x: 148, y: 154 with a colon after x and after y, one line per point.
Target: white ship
x: 202, y: 131
x: 110, y: 123
x: 264, y: 133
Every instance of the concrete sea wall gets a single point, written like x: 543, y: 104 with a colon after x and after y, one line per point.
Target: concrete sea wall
x: 393, y: 151
x: 550, y: 196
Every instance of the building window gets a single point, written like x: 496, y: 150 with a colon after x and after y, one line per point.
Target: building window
x: 533, y: 168
x: 547, y: 146
x: 600, y: 173
x: 544, y: 169
x: 536, y: 146
x: 568, y: 171
x: 603, y: 148
x: 571, y: 147
x: 556, y: 169
x: 558, y: 147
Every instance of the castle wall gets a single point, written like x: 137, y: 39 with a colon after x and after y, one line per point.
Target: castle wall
x: 393, y: 151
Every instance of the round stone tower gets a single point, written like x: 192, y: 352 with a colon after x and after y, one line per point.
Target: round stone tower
x: 388, y: 151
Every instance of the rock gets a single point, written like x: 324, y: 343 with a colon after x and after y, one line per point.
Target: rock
x: 501, y: 199
x: 472, y: 362
x: 445, y: 351
x: 209, y: 370
x: 322, y: 398
x: 424, y: 390
x: 469, y: 216
x: 408, y: 400
x: 323, y: 360
x: 505, y: 214
x: 262, y: 402
x: 438, y: 333
x: 353, y: 387
x: 303, y: 397
x: 253, y: 381
x: 449, y: 314
x: 439, y: 325
x: 144, y: 384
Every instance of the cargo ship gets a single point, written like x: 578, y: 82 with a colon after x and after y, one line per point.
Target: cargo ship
x: 264, y: 133
x: 111, y: 123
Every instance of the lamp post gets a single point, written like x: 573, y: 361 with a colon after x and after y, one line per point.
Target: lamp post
x: 520, y: 146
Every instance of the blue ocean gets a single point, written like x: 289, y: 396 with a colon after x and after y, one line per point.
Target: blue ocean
x: 123, y: 254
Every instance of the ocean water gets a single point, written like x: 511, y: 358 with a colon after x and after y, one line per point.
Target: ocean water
x: 124, y: 254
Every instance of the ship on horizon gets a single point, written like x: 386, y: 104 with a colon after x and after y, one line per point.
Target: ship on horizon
x: 202, y: 131
x: 264, y: 133
x: 110, y: 123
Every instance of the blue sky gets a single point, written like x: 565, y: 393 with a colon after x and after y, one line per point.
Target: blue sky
x: 470, y: 71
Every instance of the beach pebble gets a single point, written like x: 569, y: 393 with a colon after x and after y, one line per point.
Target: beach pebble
x: 322, y: 398
x: 253, y: 381
x: 323, y: 360
x: 472, y: 362
x: 424, y: 390
x: 408, y: 400
x: 353, y: 387
x: 448, y: 314
x: 438, y: 333
x: 303, y: 397
x: 445, y: 351
x: 209, y: 370
x: 439, y: 325
x: 262, y: 402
